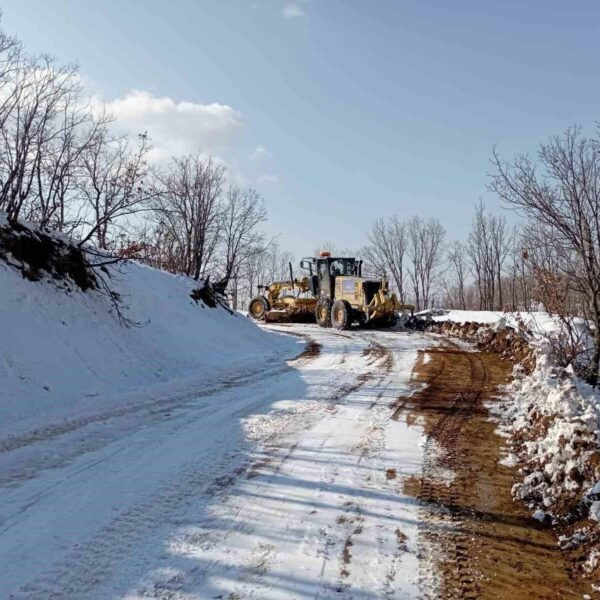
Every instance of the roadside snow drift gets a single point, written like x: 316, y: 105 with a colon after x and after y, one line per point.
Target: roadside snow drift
x: 552, y: 421
x: 538, y: 322
x: 64, y: 353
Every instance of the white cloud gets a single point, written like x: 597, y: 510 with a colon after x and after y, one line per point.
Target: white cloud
x: 259, y: 153
x: 293, y: 11
x: 175, y: 127
x: 266, y: 179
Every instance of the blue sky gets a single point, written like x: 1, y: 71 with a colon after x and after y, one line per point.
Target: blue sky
x: 359, y: 109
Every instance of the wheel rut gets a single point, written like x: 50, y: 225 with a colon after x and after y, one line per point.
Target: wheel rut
x: 475, y: 542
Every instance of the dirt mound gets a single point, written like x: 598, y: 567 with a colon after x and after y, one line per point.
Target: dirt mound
x: 37, y: 254
x: 511, y: 344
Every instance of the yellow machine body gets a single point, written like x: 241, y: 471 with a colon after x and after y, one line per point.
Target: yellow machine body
x: 370, y: 297
x: 335, y: 294
x: 285, y: 300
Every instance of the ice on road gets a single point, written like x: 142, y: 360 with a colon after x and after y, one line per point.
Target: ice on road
x: 285, y: 482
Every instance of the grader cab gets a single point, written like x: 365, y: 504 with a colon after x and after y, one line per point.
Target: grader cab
x: 334, y: 293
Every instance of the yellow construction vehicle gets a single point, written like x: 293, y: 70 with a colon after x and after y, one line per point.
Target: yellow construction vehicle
x: 334, y: 294
x: 283, y: 301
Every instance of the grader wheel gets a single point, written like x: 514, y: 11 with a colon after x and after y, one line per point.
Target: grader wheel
x: 258, y: 307
x: 323, y: 312
x: 341, y: 314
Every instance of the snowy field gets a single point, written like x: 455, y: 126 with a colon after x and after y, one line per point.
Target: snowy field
x: 266, y: 488
x: 195, y: 457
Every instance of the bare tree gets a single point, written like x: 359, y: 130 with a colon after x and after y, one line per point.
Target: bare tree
x: 242, y: 212
x: 189, y: 194
x: 457, y: 261
x: 61, y: 168
x: 269, y: 263
x: 562, y: 208
x: 488, y: 246
x: 386, y: 252
x: 425, y: 252
x: 37, y: 93
x: 500, y: 247
x: 112, y: 186
x: 519, y: 277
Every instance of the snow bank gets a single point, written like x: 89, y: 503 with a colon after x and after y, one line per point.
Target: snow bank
x: 538, y: 327
x: 62, y: 353
x: 538, y: 322
x: 554, y: 420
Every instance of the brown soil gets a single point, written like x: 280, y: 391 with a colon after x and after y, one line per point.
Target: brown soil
x: 481, y: 542
x: 37, y: 254
x: 509, y: 343
x: 312, y: 350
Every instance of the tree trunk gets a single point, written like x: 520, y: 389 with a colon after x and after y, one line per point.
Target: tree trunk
x: 594, y: 366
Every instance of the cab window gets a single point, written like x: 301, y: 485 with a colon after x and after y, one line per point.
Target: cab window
x: 337, y: 267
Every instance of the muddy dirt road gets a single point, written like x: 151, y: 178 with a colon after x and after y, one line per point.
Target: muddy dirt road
x: 366, y: 467
x: 474, y: 538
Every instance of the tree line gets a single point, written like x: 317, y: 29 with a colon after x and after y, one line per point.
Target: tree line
x: 428, y: 271
x: 549, y: 261
x: 63, y: 168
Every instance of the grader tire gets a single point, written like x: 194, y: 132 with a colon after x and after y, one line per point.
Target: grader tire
x: 341, y: 315
x: 323, y: 312
x: 258, y: 307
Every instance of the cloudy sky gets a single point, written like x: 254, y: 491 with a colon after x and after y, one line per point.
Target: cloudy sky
x: 337, y: 111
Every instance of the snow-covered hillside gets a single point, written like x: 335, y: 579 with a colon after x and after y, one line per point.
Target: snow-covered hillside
x: 64, y: 354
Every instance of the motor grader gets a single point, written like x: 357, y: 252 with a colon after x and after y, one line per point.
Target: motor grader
x: 291, y: 300
x: 334, y: 293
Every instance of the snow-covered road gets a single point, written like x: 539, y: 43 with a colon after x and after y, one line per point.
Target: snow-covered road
x: 282, y: 482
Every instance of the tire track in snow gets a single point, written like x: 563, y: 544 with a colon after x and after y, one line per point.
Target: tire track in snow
x: 90, y: 565
x: 354, y: 521
x: 55, y: 430
x: 246, y: 575
x: 267, y: 471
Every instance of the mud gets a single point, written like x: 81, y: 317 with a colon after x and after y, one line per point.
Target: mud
x: 378, y: 354
x: 312, y: 350
x: 479, y: 541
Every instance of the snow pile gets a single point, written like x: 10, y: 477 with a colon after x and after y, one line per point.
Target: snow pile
x: 64, y: 353
x: 541, y: 329
x: 553, y: 419
x: 539, y: 323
